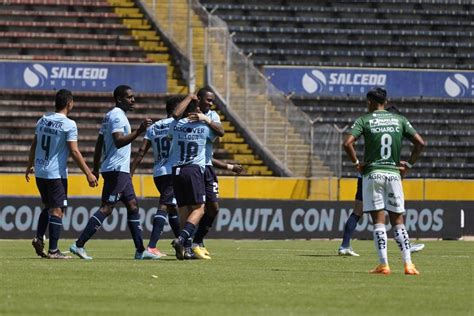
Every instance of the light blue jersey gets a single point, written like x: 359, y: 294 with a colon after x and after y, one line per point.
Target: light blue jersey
x: 115, y: 159
x: 157, y: 134
x: 209, y: 146
x: 188, y: 142
x: 53, y: 131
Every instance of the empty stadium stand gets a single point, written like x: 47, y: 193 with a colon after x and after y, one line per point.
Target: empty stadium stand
x: 427, y: 34
x: 352, y: 33
x: 89, y: 31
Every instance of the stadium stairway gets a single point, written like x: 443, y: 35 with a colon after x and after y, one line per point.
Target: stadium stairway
x: 232, y: 147
x: 295, y: 156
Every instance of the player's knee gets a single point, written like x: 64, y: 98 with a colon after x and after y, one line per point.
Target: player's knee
x: 212, y: 208
x: 57, y: 211
x: 106, y: 209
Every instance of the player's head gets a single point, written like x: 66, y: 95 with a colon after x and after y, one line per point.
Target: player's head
x: 393, y: 109
x: 193, y: 107
x: 172, y: 102
x: 63, y: 100
x: 206, y: 98
x: 376, y: 98
x: 124, y: 98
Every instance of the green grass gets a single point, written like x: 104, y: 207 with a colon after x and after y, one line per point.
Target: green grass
x: 244, y: 277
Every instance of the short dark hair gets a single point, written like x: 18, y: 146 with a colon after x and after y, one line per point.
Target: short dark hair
x: 378, y: 95
x: 172, y: 102
x: 192, y: 107
x: 121, y: 91
x: 202, y: 92
x: 63, y: 97
x: 393, y: 109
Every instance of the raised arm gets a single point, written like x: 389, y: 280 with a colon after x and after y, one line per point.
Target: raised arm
x: 139, y: 156
x: 181, y: 107
x: 79, y: 160
x: 121, y: 140
x: 31, y: 160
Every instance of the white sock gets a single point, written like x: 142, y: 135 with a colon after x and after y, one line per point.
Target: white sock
x: 401, y: 237
x: 380, y: 240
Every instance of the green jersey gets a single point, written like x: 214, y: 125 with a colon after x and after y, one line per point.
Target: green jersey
x: 383, y: 133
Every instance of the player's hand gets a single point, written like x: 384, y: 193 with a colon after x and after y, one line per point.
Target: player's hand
x: 27, y: 173
x: 360, y: 167
x: 238, y: 169
x: 144, y: 125
x: 96, y: 174
x: 92, y: 179
x: 194, y: 117
x: 403, y: 169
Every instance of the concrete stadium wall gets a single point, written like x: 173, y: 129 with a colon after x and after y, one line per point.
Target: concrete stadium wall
x: 272, y: 188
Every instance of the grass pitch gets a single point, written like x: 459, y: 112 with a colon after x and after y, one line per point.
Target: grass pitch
x: 243, y: 278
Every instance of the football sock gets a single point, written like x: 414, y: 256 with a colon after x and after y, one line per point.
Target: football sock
x: 55, y: 224
x: 186, y: 233
x: 42, y: 223
x: 349, y: 229
x: 380, y: 240
x: 401, y: 237
x: 173, y: 220
x: 94, y: 224
x: 204, y: 225
x: 136, y: 230
x: 158, y: 224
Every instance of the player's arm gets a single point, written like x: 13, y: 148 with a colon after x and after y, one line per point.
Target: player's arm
x: 31, y: 160
x: 419, y: 145
x: 348, y: 145
x: 99, y: 144
x: 237, y: 168
x: 139, y: 156
x: 215, y: 126
x: 121, y: 140
x: 79, y: 160
x: 181, y: 107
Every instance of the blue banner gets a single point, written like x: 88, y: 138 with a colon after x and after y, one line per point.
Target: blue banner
x: 96, y: 77
x: 322, y: 81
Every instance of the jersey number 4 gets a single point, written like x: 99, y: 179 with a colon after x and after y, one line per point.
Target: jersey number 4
x: 45, y: 144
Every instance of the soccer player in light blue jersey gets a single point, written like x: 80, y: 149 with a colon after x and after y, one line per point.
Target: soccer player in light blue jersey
x: 206, y: 98
x: 156, y: 137
x: 114, y: 145
x: 55, y: 137
x: 189, y: 136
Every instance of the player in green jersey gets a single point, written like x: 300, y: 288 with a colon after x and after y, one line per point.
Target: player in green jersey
x: 382, y: 171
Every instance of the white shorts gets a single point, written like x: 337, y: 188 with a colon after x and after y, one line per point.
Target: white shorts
x: 383, y: 191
